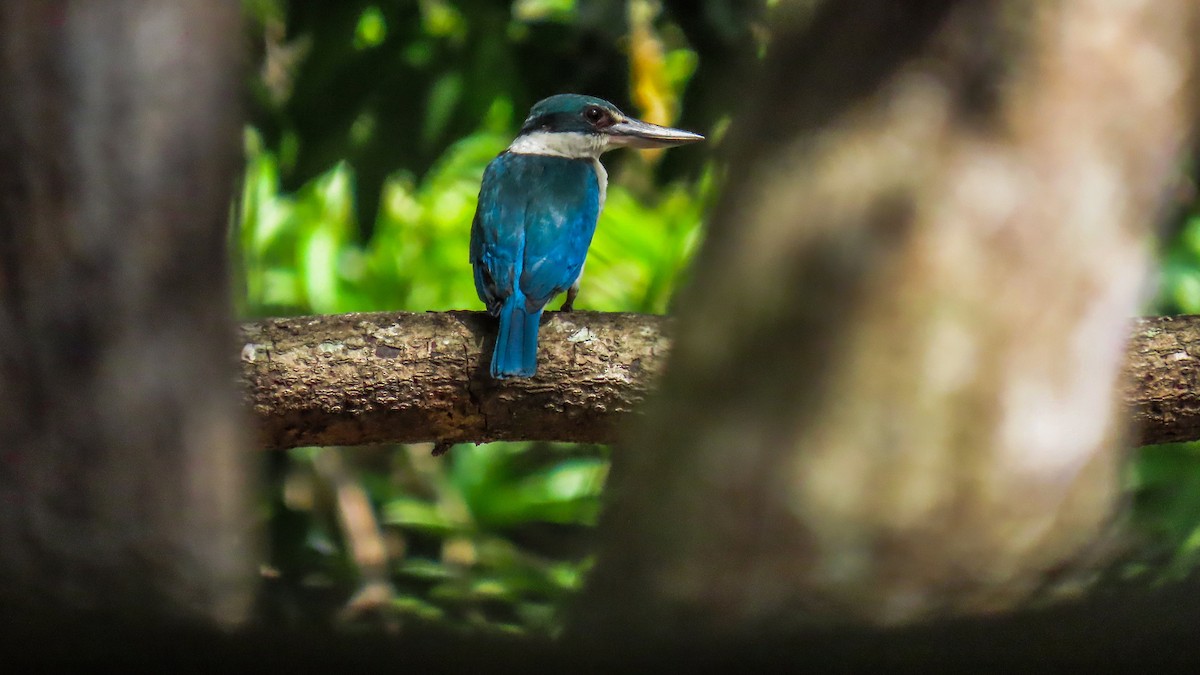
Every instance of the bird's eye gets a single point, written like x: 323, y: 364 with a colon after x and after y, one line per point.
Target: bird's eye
x: 597, y: 116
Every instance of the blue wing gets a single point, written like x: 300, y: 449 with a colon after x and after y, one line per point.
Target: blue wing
x: 532, y: 227
x: 497, y: 236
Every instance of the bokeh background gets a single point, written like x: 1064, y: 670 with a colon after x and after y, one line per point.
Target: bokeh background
x: 370, y: 125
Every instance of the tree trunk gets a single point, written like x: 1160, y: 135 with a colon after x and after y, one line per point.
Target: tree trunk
x: 125, y: 485
x: 894, y: 390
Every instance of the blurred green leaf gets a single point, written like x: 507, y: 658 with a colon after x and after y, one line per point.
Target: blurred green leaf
x: 529, y: 11
x: 371, y: 30
x: 501, y: 489
x: 418, y: 607
x: 443, y: 97
x: 426, y: 569
x: 442, y: 19
x: 1185, y: 289
x: 679, y: 66
x: 1189, y: 236
x: 410, y: 512
x: 491, y: 589
x: 319, y: 266
x: 1166, y: 484
x: 279, y: 288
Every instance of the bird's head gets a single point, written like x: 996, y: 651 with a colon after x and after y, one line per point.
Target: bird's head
x: 574, y: 125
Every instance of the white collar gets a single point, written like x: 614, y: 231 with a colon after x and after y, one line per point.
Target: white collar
x: 573, y: 145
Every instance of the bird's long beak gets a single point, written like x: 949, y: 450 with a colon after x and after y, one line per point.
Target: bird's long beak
x: 639, y: 134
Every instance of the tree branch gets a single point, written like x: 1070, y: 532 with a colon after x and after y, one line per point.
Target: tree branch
x: 1162, y: 379
x: 354, y: 379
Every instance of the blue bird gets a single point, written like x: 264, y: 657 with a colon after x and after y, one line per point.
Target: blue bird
x: 537, y: 211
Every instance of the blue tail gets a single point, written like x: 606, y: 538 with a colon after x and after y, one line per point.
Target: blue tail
x: 517, y: 340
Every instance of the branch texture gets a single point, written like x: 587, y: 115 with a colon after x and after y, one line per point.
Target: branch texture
x: 1162, y: 388
x: 354, y: 379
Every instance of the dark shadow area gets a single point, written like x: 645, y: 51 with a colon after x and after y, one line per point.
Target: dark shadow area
x: 1113, y: 631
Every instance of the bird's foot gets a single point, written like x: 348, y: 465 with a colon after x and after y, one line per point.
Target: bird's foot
x: 569, y: 304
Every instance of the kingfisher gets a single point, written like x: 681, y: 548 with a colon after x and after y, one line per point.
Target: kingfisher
x: 538, y: 206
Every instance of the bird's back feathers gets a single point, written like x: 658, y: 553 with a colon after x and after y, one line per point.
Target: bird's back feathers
x: 532, y: 229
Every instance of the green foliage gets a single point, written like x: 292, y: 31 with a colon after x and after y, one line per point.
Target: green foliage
x: 386, y: 85
x: 480, y: 532
x: 373, y: 124
x: 1179, y: 284
x: 1166, y: 483
x: 488, y: 496
x: 301, y: 252
x: 1165, y: 479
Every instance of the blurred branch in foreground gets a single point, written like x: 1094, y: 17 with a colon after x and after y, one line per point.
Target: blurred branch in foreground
x: 353, y: 379
x: 126, y: 484
x: 893, y: 396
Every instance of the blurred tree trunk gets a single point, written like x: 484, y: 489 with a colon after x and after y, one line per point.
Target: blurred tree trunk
x: 124, y: 482
x: 893, y: 394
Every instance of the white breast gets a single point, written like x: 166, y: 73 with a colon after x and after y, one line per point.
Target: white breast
x: 601, y: 179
